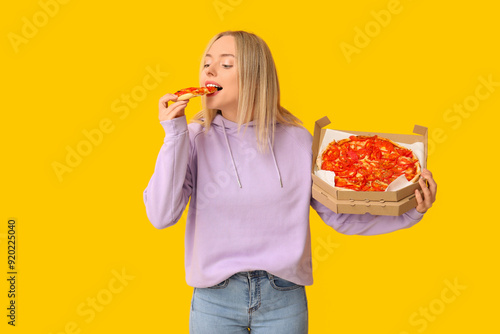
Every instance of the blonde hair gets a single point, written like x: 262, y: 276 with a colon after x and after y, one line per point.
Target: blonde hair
x: 259, y: 91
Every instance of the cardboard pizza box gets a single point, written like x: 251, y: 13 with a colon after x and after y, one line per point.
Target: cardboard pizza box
x: 390, y: 203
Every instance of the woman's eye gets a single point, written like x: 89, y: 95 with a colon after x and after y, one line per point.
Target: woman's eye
x: 223, y: 65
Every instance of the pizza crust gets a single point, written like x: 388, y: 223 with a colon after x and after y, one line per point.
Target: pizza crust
x: 186, y: 96
x: 417, y: 174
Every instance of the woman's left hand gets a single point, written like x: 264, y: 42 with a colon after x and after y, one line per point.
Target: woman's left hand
x: 427, y: 196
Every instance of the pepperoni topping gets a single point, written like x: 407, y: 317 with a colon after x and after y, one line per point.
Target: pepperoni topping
x: 368, y: 163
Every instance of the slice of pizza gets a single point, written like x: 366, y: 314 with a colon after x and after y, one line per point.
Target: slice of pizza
x: 368, y: 163
x: 187, y: 93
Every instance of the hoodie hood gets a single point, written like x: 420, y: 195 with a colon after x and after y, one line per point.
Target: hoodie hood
x: 219, y: 122
x: 226, y: 126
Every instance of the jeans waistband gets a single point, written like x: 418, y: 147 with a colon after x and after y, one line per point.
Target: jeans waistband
x: 253, y: 273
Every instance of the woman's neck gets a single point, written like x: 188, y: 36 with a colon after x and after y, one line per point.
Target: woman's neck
x: 231, y: 116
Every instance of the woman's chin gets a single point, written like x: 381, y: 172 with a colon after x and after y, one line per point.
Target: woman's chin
x: 212, y: 105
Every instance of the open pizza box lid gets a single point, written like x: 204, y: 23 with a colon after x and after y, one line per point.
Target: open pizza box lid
x: 392, y: 203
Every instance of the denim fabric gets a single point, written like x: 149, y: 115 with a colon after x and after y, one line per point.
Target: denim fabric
x: 254, y: 301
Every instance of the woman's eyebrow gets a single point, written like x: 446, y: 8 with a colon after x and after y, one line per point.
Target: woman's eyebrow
x: 222, y: 55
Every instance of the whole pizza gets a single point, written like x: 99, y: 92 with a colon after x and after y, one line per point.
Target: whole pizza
x: 368, y: 163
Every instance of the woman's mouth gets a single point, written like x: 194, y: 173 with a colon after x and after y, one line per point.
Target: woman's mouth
x: 219, y: 88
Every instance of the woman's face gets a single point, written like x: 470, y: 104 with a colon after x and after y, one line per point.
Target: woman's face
x: 220, y: 69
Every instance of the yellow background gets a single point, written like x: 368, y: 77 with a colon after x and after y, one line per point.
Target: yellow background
x: 76, y: 235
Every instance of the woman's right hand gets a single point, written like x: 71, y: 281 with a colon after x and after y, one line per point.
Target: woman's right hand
x: 172, y: 111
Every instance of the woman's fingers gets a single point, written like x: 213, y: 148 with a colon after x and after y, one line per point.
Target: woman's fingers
x: 175, y: 109
x: 432, y: 184
x: 420, y: 202
x: 165, y: 99
x: 427, y: 196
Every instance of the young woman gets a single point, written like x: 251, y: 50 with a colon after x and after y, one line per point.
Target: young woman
x: 244, y: 165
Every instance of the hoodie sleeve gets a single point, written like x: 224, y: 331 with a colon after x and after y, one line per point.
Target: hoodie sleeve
x: 170, y: 187
x: 365, y: 224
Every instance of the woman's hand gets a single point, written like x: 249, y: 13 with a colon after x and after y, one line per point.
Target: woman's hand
x: 428, y: 194
x: 172, y: 111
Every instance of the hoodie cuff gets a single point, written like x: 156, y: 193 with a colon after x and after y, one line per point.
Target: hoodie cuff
x: 174, y: 127
x: 414, y: 214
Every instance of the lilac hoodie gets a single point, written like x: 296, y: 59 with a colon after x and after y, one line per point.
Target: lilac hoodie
x: 247, y: 210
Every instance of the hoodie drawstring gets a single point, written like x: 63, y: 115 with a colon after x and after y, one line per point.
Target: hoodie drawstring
x: 275, y: 162
x: 234, y: 164
x: 230, y: 153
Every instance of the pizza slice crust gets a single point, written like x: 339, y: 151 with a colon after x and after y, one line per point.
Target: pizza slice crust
x: 186, y: 96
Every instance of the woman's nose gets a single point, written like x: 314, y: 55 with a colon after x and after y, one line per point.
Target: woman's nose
x: 210, y: 70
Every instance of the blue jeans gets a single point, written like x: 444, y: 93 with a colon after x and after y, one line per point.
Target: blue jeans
x: 254, y: 301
